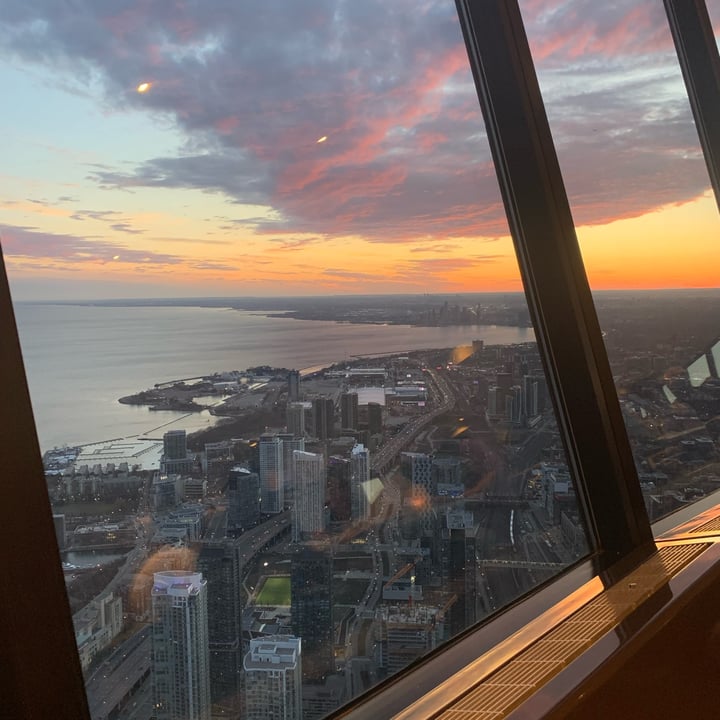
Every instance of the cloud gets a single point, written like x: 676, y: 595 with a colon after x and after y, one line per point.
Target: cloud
x: 26, y: 243
x: 440, y: 247
x: 294, y: 243
x: 349, y: 275
x: 447, y: 265
x: 229, y: 172
x: 388, y: 84
x: 126, y: 228
x: 207, y: 265
x: 116, y: 220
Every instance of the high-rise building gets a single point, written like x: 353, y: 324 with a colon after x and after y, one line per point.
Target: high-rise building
x: 243, y: 493
x: 338, y: 488
x: 534, y: 389
x: 175, y: 458
x: 447, y: 470
x: 273, y: 678
x: 461, y: 579
x: 349, y: 411
x: 407, y: 633
x: 324, y: 417
x: 418, y: 467
x: 181, y: 662
x: 295, y: 419
x: 359, y: 482
x: 272, y: 474
x: 175, y: 444
x: 218, y: 563
x: 290, y: 443
x: 311, y: 610
x: 293, y: 386
x: 375, y: 418
x: 308, y: 516
x: 322, y: 697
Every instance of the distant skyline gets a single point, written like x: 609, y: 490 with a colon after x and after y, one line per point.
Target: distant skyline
x: 313, y: 147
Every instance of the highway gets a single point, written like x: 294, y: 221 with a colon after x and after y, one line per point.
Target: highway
x: 123, y: 676
x: 386, y: 456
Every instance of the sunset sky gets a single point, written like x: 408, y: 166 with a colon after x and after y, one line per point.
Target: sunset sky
x: 301, y: 147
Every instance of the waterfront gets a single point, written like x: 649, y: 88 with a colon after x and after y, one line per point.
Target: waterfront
x: 80, y: 359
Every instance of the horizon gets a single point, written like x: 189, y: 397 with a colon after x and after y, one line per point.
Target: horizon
x: 132, y: 170
x: 459, y: 295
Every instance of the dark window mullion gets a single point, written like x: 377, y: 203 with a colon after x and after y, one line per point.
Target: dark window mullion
x: 700, y: 62
x: 41, y: 675
x: 556, y: 286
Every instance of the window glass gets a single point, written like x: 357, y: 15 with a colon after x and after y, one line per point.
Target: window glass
x: 647, y: 223
x: 713, y: 8
x: 294, y: 421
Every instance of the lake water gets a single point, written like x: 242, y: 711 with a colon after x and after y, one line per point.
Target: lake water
x: 80, y: 359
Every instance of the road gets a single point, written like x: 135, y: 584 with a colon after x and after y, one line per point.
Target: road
x: 443, y: 398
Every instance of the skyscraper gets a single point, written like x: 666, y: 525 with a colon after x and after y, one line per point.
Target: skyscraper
x: 219, y: 565
x: 349, y: 411
x: 359, y: 482
x: 338, y: 488
x: 421, y: 478
x: 273, y: 678
x: 175, y: 444
x: 311, y: 610
x: 293, y: 386
x: 324, y: 416
x: 181, y: 663
x: 290, y: 443
x: 295, y: 419
x: 272, y: 475
x: 407, y: 633
x: 243, y: 493
x: 374, y: 413
x: 175, y: 458
x: 308, y: 515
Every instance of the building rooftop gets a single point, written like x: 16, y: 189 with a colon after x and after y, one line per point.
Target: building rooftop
x: 136, y: 451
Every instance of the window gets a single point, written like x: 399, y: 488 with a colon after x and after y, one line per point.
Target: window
x: 395, y: 540
x: 647, y: 221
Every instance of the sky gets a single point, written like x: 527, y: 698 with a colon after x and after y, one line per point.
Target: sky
x: 168, y: 148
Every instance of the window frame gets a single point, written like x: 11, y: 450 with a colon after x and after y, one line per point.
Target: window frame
x: 697, y: 52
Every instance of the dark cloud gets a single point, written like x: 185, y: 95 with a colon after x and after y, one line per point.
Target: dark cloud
x: 228, y: 172
x: 255, y: 85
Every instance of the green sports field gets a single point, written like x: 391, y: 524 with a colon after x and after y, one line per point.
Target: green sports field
x: 275, y: 591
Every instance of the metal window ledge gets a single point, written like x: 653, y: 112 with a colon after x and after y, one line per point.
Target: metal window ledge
x: 574, y: 650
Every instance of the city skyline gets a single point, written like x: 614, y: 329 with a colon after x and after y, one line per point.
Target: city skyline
x: 133, y: 170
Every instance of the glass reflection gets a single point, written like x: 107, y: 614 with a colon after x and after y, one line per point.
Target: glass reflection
x: 331, y: 477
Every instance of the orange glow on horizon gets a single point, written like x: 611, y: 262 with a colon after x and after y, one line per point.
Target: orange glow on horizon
x: 672, y: 247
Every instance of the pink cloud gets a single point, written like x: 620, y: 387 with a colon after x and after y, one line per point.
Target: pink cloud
x: 227, y: 125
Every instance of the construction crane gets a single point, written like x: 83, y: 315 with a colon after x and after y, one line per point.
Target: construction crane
x: 400, y: 573
x: 450, y: 602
